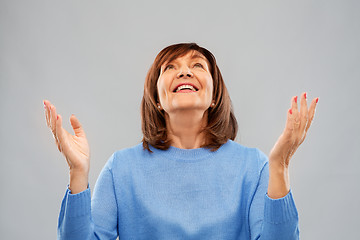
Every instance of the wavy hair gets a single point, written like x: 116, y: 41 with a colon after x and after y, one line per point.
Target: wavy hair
x: 221, y: 122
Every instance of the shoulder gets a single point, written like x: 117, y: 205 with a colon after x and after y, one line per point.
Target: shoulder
x: 129, y: 151
x: 251, y: 156
x: 127, y: 156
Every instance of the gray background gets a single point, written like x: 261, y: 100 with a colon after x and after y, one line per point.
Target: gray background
x: 90, y: 58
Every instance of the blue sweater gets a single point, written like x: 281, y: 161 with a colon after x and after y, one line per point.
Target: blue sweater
x: 180, y: 194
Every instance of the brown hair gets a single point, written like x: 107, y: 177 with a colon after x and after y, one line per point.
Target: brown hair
x: 221, y: 124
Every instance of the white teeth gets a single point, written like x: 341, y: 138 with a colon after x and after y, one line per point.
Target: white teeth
x: 185, y: 86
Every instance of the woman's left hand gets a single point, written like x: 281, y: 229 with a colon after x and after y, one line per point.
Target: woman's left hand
x: 297, y: 125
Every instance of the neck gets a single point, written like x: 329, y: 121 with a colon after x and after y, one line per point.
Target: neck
x: 184, y: 128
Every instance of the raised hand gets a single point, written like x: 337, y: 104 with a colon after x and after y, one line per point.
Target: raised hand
x: 297, y: 125
x: 75, y: 148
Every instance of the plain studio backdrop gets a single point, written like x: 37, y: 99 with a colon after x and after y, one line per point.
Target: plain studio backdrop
x: 90, y: 58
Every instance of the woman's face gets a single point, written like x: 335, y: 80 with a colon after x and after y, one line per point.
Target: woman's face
x: 185, y: 84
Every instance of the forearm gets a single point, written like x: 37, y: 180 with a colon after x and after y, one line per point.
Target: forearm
x: 279, y: 180
x: 84, y: 218
x: 75, y: 216
x: 274, y: 215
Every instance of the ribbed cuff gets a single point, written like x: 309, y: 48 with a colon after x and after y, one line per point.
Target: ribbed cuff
x: 78, y: 204
x: 280, y: 210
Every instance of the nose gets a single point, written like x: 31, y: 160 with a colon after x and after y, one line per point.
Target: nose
x: 185, y: 73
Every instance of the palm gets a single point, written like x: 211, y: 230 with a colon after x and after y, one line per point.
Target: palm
x: 75, y: 147
x: 297, y: 125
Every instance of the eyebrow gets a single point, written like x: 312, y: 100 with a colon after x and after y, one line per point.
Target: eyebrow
x: 193, y: 56
x: 197, y: 55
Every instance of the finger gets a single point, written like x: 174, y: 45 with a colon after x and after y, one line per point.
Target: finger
x: 59, y: 132
x: 53, y: 117
x: 311, y: 114
x: 294, y: 105
x: 312, y: 110
x: 290, y: 116
x: 289, y: 126
x: 78, y: 130
x: 289, y: 131
x: 47, y: 112
x: 303, y: 115
x: 295, y: 114
x: 293, y: 123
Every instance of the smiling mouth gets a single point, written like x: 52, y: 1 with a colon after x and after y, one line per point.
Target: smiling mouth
x: 185, y: 89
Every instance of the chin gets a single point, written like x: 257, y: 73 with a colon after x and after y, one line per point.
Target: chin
x: 189, y: 105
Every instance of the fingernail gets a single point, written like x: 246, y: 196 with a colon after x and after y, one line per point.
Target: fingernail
x: 305, y: 95
x: 290, y: 111
x: 57, y: 117
x: 295, y: 99
x: 317, y: 99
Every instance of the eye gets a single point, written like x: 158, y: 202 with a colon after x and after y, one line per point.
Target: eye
x: 198, y: 65
x: 168, y: 67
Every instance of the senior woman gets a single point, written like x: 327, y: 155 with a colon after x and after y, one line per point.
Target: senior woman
x: 188, y: 179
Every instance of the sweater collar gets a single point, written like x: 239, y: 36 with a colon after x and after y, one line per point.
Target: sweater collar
x: 186, y: 154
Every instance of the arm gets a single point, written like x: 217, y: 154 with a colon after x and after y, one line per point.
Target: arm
x: 83, y: 218
x: 272, y: 219
x: 297, y: 125
x: 280, y: 217
x: 79, y: 218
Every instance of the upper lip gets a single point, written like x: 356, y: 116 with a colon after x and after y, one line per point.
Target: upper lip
x: 186, y: 83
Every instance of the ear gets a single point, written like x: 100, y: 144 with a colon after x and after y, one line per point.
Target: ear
x: 159, y: 106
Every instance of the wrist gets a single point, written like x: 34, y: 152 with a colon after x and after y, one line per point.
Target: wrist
x: 279, y: 180
x: 78, y: 181
x: 278, y: 164
x: 79, y: 172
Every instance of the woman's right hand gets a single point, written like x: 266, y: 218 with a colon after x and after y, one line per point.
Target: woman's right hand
x: 75, y: 148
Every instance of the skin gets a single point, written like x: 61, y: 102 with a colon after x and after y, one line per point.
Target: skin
x: 185, y: 115
x: 297, y: 125
x: 75, y: 147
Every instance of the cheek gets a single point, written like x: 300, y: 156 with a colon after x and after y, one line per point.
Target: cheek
x: 161, y: 88
x: 210, y: 85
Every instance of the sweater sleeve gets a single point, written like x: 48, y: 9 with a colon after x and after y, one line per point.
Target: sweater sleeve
x: 90, y: 219
x: 272, y: 219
